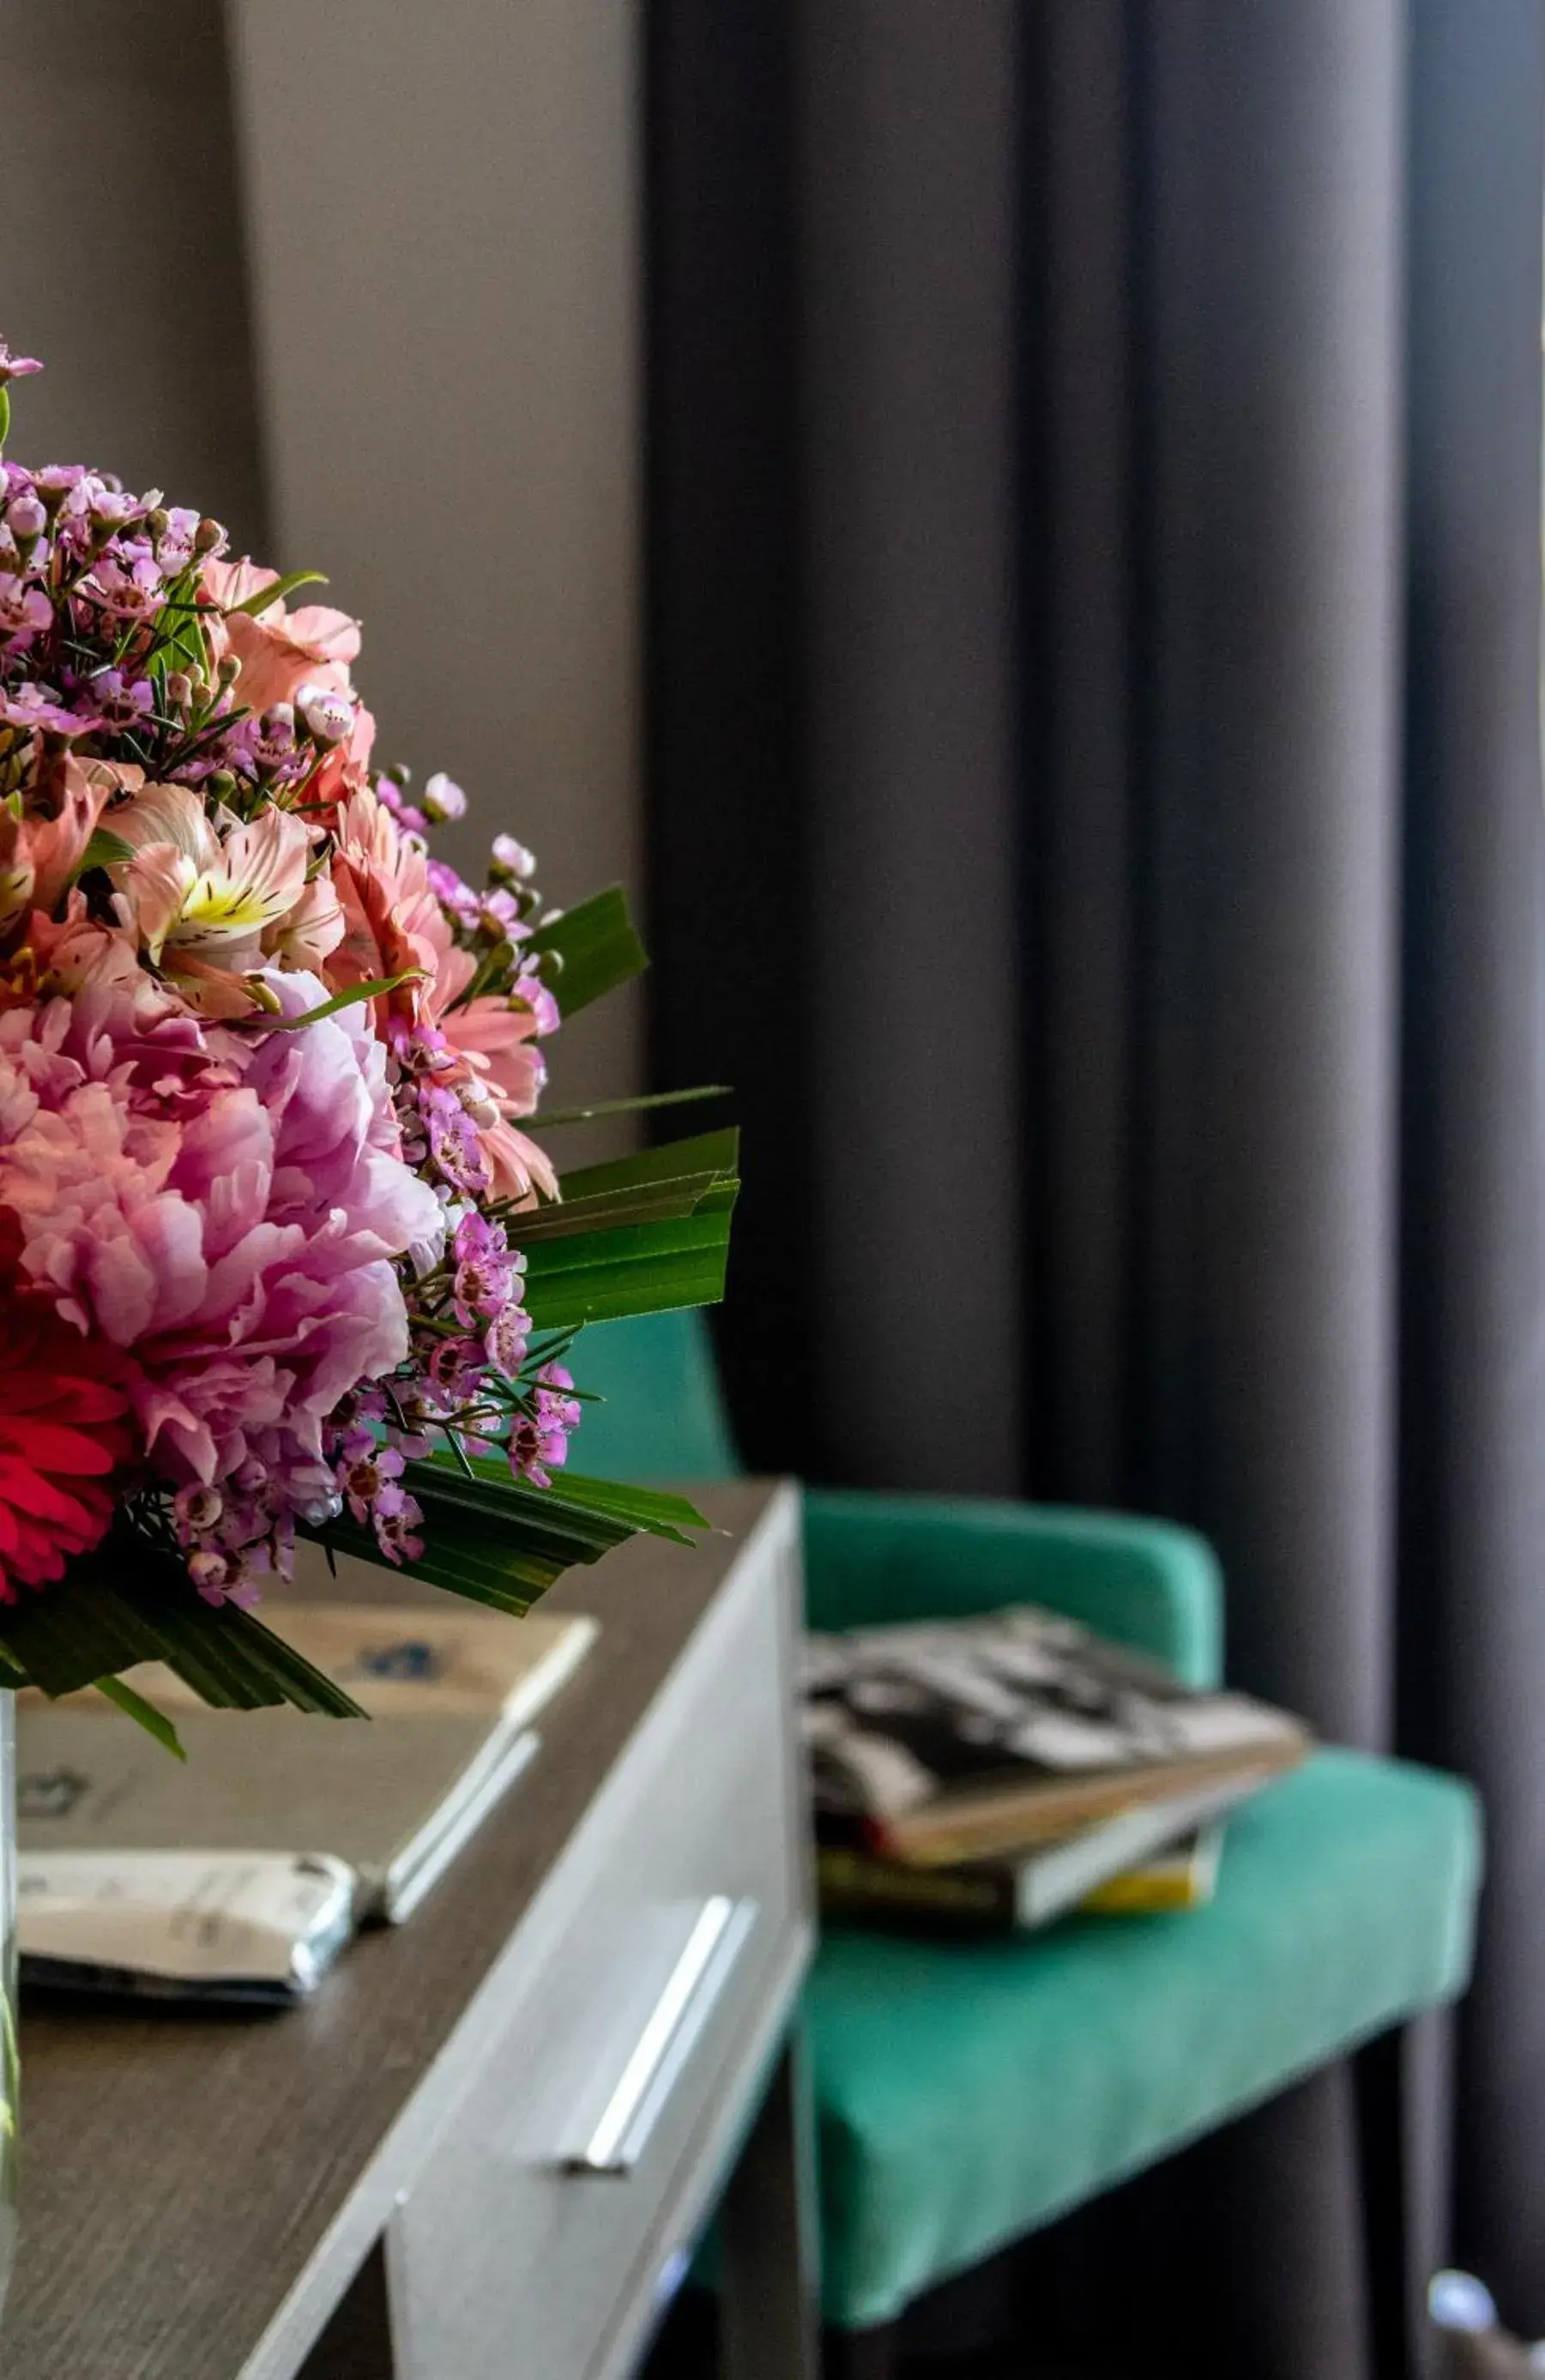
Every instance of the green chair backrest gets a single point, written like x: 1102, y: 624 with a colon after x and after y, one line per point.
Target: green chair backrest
x: 664, y: 1416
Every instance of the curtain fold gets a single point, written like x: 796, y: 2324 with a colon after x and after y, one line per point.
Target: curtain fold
x: 1130, y: 933
x: 907, y: 225
x: 1473, y: 1547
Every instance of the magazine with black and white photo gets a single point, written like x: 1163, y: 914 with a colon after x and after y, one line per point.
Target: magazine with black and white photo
x: 941, y: 1741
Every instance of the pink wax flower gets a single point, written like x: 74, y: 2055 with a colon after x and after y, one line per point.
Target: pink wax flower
x: 541, y: 1436
x: 25, y: 612
x: 32, y: 704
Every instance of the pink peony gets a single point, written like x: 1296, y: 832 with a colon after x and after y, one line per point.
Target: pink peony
x: 222, y: 1207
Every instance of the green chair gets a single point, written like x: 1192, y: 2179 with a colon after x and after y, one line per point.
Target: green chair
x: 967, y: 2095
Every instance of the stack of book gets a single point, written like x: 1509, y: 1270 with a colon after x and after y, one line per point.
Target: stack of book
x: 243, y: 1872
x: 987, y: 1775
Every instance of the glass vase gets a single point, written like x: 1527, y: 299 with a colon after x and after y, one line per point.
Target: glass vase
x: 10, y: 2054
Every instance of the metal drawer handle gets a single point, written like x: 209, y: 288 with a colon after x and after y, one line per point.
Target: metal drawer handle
x: 667, y: 2041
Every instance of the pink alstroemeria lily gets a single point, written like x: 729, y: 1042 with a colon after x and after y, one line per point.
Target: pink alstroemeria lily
x: 279, y: 649
x: 306, y: 936
x: 201, y: 902
x: 41, y: 848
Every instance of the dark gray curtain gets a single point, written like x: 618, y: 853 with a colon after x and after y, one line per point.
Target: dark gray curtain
x: 1096, y: 822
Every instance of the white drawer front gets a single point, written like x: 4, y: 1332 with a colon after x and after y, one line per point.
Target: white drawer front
x: 535, y: 2233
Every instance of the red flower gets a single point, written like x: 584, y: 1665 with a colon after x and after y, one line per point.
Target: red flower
x: 62, y: 1434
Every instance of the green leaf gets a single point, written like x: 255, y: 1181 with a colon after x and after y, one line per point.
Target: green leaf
x: 599, y: 947
x: 656, y: 1510
x: 703, y: 1152
x: 4, y: 413
x: 144, y: 1714
x: 651, y: 1185
x: 349, y: 999
x: 128, y: 1602
x: 276, y: 593
x: 501, y: 1543
x: 675, y: 1257
x: 179, y: 628
x: 633, y: 1107
x: 634, y: 1191
x: 642, y: 1269
x: 105, y: 849
x: 653, y: 1202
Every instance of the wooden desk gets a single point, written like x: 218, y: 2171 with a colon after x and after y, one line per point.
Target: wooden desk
x: 202, y: 2193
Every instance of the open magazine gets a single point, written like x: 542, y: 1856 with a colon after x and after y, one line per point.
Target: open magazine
x: 943, y: 1741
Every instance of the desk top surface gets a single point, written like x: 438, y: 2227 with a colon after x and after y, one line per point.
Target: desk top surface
x: 179, y: 2167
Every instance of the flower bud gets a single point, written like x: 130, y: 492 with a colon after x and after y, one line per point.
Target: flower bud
x: 229, y: 669
x: 111, y: 509
x: 221, y: 783
x: 511, y: 858
x: 329, y: 716
x: 276, y: 745
x: 208, y: 1571
x: 198, y: 1508
x: 56, y: 481
x: 209, y: 537
x: 179, y: 689
x: 26, y: 519
x: 443, y: 798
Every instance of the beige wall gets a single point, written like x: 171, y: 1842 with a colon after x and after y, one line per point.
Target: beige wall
x: 442, y: 208
x: 438, y: 359
x: 120, y: 257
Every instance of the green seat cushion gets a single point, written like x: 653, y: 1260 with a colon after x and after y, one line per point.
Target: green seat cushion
x: 967, y: 2094
x: 659, y: 1414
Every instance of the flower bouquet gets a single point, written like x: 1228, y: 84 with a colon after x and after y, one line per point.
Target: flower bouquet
x: 278, y: 1254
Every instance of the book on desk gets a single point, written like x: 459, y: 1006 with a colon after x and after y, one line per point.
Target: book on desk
x: 227, y: 1857
x: 987, y: 1774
